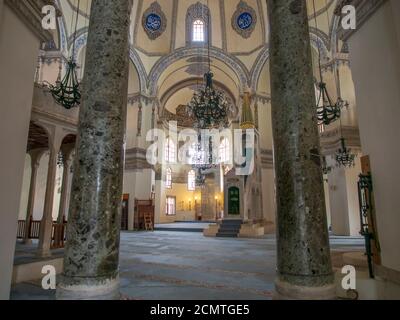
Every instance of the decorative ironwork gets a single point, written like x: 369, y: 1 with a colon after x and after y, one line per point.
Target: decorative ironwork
x: 344, y: 157
x: 327, y: 111
x: 200, y: 178
x: 66, y: 92
x: 365, y: 189
x: 209, y: 107
x: 154, y: 21
x: 244, y: 19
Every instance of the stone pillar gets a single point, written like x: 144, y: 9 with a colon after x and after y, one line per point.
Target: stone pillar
x: 35, y: 162
x: 66, y: 151
x: 304, y: 263
x: 46, y: 226
x: 92, y: 250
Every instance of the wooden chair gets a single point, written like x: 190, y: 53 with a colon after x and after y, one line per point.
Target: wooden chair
x: 148, y: 222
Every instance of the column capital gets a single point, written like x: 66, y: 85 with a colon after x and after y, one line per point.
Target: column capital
x: 36, y: 156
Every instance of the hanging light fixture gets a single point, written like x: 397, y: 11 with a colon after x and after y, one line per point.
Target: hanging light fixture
x: 327, y: 111
x: 66, y: 92
x: 209, y: 107
x: 344, y: 157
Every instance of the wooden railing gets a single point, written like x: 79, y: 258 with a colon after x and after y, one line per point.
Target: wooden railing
x: 58, y: 235
x: 34, y: 229
x: 21, y: 229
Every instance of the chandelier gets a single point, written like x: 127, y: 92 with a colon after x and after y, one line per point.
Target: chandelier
x: 209, y: 108
x: 344, y: 157
x: 66, y: 92
x: 327, y: 111
x: 200, y: 179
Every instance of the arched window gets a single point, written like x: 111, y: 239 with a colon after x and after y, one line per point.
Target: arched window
x: 170, y: 151
x: 192, y: 180
x: 198, y: 31
x: 168, y: 179
x: 224, y: 151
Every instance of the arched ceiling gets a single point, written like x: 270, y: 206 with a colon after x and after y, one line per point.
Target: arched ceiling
x: 162, y: 60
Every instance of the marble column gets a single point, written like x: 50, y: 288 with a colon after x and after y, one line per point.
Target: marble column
x: 304, y: 263
x: 92, y: 251
x: 66, y: 151
x: 35, y: 162
x: 46, y: 226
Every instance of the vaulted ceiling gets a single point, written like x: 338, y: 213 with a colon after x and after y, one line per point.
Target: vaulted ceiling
x: 164, y: 59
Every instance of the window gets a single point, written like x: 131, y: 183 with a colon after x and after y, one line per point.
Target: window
x: 168, y: 179
x: 170, y: 151
x: 192, y: 180
x: 224, y: 150
x: 198, y: 31
x: 170, y: 207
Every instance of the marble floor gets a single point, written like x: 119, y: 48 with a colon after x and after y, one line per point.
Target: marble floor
x: 171, y: 265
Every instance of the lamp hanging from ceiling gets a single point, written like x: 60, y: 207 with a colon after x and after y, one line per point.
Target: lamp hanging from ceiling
x: 344, y: 156
x: 209, y: 108
x: 327, y: 111
x: 66, y: 92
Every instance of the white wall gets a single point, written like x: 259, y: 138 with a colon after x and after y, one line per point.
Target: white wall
x: 18, y: 56
x: 138, y: 185
x: 40, y: 189
x: 343, y: 199
x: 375, y: 62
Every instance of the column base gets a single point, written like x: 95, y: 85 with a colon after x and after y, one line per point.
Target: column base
x: 104, y: 290
x: 287, y: 291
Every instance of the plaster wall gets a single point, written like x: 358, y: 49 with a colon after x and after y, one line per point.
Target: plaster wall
x: 374, y: 55
x: 138, y: 185
x: 18, y: 55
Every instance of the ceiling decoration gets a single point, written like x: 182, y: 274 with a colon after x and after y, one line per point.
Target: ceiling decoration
x: 197, y: 69
x: 244, y: 19
x: 154, y: 21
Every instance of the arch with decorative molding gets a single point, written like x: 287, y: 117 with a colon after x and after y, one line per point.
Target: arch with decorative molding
x: 318, y: 39
x: 232, y: 62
